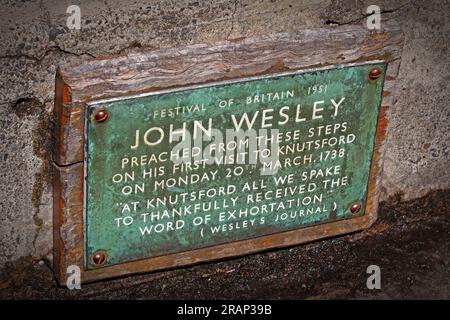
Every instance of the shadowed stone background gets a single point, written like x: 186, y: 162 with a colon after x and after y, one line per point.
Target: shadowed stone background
x: 35, y: 40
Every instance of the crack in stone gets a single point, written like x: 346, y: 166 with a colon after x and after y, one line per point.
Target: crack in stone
x: 334, y: 22
x: 57, y: 165
x: 45, y: 54
x: 50, y: 49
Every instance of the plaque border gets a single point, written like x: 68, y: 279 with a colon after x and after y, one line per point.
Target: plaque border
x: 84, y: 82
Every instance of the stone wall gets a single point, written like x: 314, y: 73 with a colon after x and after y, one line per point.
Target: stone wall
x: 35, y: 40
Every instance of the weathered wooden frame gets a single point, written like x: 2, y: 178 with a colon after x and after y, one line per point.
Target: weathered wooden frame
x: 85, y: 81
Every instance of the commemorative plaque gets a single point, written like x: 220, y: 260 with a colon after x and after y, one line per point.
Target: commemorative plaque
x: 166, y: 172
x: 177, y: 171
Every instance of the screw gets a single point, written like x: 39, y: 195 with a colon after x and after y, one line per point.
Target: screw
x: 101, y: 116
x: 375, y: 73
x: 355, y: 207
x: 99, y: 258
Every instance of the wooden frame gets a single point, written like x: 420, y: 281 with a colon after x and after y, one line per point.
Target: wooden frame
x: 85, y: 81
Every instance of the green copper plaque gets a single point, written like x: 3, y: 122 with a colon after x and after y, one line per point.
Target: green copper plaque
x: 178, y: 170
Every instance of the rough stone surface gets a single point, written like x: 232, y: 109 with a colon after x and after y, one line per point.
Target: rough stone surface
x: 35, y: 40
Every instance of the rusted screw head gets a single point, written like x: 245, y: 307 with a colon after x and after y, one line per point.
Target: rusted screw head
x: 375, y: 73
x: 99, y: 258
x: 355, y: 207
x: 101, y: 115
